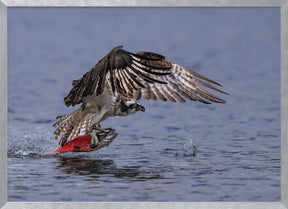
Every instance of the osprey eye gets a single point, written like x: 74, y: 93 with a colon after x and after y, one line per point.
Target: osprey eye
x: 135, y: 105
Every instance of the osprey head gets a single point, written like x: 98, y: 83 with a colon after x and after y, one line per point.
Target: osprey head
x: 131, y: 107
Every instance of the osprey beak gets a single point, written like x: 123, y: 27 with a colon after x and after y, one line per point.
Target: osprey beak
x: 142, y: 108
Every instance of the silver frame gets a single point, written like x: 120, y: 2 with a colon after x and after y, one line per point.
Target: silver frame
x: 283, y: 4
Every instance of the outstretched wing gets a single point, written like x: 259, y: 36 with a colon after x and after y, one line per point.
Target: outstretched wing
x: 145, y: 74
x: 181, y: 83
x: 125, y: 72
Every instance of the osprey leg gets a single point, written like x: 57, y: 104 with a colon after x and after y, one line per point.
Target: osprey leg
x: 97, y: 127
x: 103, y: 139
x: 106, y: 138
x: 94, y: 140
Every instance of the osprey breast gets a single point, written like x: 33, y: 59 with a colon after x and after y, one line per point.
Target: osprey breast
x: 96, y: 103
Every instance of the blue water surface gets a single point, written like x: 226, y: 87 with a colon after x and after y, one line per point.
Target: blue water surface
x: 172, y: 152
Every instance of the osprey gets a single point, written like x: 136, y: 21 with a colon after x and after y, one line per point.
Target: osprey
x: 116, y: 83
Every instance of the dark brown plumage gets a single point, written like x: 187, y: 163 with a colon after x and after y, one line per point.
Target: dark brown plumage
x: 145, y: 74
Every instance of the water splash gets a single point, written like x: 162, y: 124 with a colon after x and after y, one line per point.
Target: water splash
x: 190, y: 148
x: 37, y: 142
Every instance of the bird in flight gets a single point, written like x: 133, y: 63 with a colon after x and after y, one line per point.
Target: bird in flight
x: 114, y: 86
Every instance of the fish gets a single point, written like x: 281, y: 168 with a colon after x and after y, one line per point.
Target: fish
x: 83, y: 143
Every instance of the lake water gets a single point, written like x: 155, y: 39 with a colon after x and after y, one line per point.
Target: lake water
x: 153, y: 158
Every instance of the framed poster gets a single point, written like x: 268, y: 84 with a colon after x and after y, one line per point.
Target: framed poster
x: 183, y: 155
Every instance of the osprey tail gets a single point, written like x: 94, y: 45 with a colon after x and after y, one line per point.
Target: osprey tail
x: 71, y: 125
x: 64, y: 126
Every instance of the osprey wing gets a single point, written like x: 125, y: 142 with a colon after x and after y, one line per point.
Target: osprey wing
x: 145, y: 74
x: 125, y: 73
x: 180, y: 83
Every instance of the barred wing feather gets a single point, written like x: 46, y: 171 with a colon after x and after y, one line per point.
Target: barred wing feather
x: 181, y: 83
x: 145, y: 74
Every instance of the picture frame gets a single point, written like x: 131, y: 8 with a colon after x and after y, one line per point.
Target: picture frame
x: 4, y: 4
